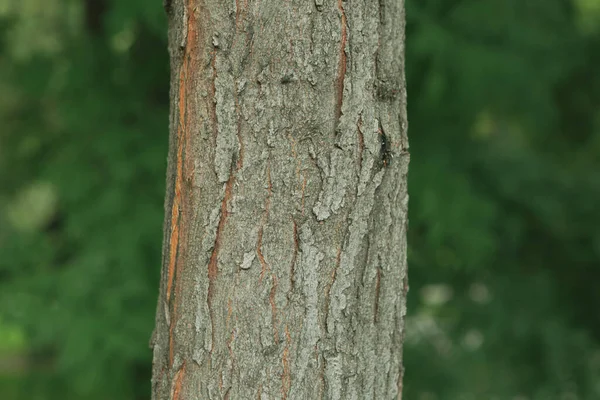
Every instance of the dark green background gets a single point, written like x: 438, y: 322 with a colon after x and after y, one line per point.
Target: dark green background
x: 504, y: 244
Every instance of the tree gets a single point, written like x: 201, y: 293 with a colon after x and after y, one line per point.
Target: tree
x: 284, y: 256
x: 503, y: 223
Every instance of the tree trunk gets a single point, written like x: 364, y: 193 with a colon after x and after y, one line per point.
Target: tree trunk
x: 284, y: 258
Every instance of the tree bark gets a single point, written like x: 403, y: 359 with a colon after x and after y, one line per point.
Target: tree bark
x: 284, y: 256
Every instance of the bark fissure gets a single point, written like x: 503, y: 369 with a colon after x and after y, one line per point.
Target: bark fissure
x: 259, y: 245
x: 274, y: 307
x: 177, y: 382
x: 377, y: 289
x: 330, y: 284
x: 361, y: 142
x: 294, y: 257
x: 286, y: 376
x: 342, y: 63
x: 213, y: 267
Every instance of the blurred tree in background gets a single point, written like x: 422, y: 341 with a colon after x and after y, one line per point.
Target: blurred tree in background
x: 504, y: 244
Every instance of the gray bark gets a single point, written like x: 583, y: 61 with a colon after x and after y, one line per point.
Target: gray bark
x: 284, y: 258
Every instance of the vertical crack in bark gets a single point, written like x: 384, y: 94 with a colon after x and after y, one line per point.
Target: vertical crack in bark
x: 181, y: 197
x: 231, y: 337
x: 229, y: 313
x: 402, y: 334
x: 377, y: 289
x: 265, y: 266
x: 274, y: 307
x: 232, y: 357
x: 175, y: 208
x: 177, y: 383
x: 361, y: 142
x: 213, y: 95
x: 322, y: 376
x: 172, y: 323
x: 303, y: 191
x: 342, y: 66
x: 294, y: 256
x: 286, y: 379
x: 173, y: 242
x: 237, y: 18
x: 381, y: 13
x: 261, y: 258
x: 385, y: 152
x: 240, y: 158
x: 213, y: 268
x: 298, y: 164
x: 338, y: 258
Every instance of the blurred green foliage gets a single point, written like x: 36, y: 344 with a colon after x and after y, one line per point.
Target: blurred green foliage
x: 504, y: 245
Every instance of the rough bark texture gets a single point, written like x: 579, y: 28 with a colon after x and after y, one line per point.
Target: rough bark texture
x: 284, y: 259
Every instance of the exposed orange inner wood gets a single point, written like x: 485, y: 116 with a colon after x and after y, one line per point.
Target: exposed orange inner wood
x: 181, y: 200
